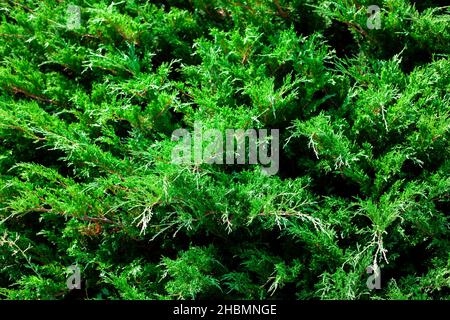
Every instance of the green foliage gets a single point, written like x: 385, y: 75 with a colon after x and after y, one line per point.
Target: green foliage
x: 87, y: 113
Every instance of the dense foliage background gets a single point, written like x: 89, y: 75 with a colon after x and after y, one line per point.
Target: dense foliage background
x: 86, y: 117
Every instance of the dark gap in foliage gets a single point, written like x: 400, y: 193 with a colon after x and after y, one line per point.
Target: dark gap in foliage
x: 28, y: 151
x: 56, y: 67
x: 411, y: 169
x: 341, y: 39
x: 443, y: 205
x: 422, y: 5
x: 334, y: 184
x: 122, y: 128
x: 291, y: 164
x: 168, y: 4
x: 415, y: 57
x: 407, y: 264
x: 68, y: 117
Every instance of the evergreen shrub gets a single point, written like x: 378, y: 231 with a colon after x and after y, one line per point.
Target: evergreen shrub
x: 87, y: 112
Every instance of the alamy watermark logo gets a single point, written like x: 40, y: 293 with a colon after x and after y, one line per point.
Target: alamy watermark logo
x: 374, y: 280
x: 213, y: 147
x: 374, y: 20
x: 73, y: 17
x: 74, y: 280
